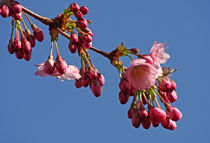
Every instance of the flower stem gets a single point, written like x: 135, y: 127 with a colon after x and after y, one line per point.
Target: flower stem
x: 56, y: 45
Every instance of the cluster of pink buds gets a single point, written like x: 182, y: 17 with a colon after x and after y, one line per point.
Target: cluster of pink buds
x: 11, y: 8
x: 90, y: 76
x: 126, y: 91
x: 84, y: 37
x: 22, y: 47
x: 167, y: 89
x: 58, y: 68
x: 145, y: 80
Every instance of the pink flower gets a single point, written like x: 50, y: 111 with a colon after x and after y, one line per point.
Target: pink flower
x: 71, y: 73
x: 49, y: 69
x: 141, y: 75
x: 158, y: 53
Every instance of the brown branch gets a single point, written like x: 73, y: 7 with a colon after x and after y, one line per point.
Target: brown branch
x: 42, y: 19
x: 107, y: 55
x: 49, y: 22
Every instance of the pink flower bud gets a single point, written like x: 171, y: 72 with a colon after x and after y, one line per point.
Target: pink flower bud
x: 173, y: 113
x: 17, y: 16
x: 96, y: 88
x: 134, y: 50
x: 87, y: 38
x: 165, y: 85
x: 11, y: 48
x: 61, y: 65
x: 85, y: 80
x: 172, y: 125
x: 173, y: 85
x: 93, y: 74
x: 74, y: 38
x: 123, y: 97
x: 72, y: 48
x: 78, y: 14
x: 5, y: 11
x: 136, y: 120
x: 49, y: 66
x: 165, y: 123
x: 16, y: 7
x: 143, y: 112
x: 101, y: 79
x: 157, y: 114
x: 27, y: 57
x: 19, y: 54
x: 155, y: 124
x: 146, y: 122
x: 17, y: 43
x: 130, y: 113
x: 38, y: 34
x: 169, y: 124
x: 74, y: 7
x: 82, y: 23
x: 87, y: 45
x: 164, y: 95
x: 78, y: 83
x: 26, y: 46
x: 172, y: 96
x: 125, y: 85
x: 132, y: 91
x: 84, y: 10
x: 88, y: 31
x: 32, y: 40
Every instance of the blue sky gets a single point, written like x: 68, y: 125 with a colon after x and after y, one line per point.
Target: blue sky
x: 42, y: 110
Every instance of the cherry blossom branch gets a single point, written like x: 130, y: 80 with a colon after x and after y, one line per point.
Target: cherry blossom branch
x: 42, y: 19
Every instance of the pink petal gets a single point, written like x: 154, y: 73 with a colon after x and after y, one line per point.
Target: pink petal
x: 71, y: 73
x: 142, y: 76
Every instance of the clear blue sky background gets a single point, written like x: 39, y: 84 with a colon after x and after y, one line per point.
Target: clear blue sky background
x: 45, y: 110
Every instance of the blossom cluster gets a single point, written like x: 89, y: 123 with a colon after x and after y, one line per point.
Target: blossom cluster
x: 84, y: 37
x: 24, y: 40
x: 11, y: 8
x: 144, y: 80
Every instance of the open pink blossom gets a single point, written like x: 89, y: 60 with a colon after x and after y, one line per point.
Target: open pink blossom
x: 71, y: 73
x: 141, y: 75
x: 158, y: 53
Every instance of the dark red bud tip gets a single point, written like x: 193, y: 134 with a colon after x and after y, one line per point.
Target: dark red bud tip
x: 96, y: 88
x: 130, y: 113
x: 78, y: 14
x: 87, y: 38
x: 78, y: 83
x: 74, y: 7
x: 84, y: 10
x: 19, y: 54
x: 27, y: 57
x: 72, y: 48
x: 172, y: 96
x: 38, y: 34
x: 136, y: 120
x: 11, y: 48
x: 123, y: 97
x: 82, y: 23
x: 146, y: 122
